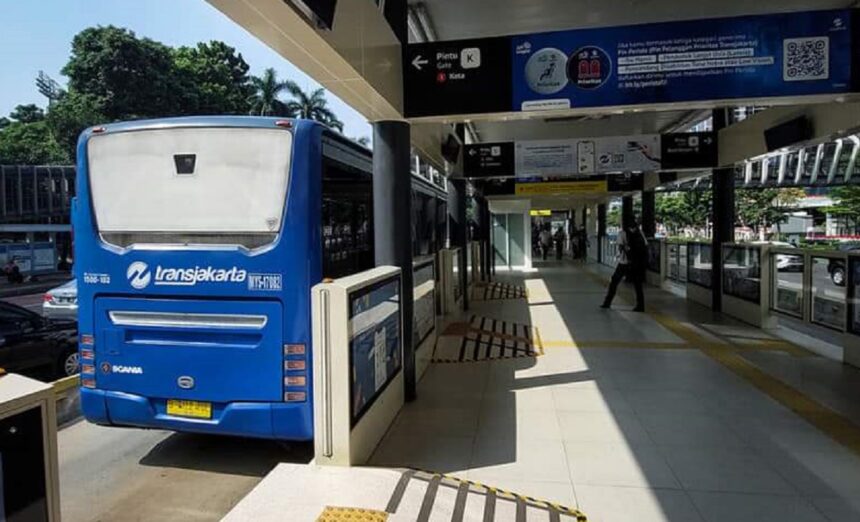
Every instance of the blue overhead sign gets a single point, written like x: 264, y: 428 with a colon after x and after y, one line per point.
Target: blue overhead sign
x: 750, y: 57
x: 792, y: 54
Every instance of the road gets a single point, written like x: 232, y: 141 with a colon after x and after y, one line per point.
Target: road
x: 131, y: 474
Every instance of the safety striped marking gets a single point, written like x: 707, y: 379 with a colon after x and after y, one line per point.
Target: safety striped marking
x: 489, y: 339
x: 492, y: 496
x: 498, y: 291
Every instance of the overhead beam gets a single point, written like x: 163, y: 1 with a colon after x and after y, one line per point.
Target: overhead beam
x: 745, y: 140
x: 358, y: 60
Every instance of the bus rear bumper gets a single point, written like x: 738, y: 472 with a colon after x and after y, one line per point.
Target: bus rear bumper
x: 268, y: 420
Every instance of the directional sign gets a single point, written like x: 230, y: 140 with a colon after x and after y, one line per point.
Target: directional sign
x: 458, y: 77
x: 688, y: 150
x: 488, y: 160
x: 419, y: 62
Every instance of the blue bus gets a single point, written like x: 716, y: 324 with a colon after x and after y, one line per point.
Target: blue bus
x: 197, y: 241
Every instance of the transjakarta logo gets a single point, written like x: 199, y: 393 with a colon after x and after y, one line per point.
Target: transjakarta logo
x: 139, y: 275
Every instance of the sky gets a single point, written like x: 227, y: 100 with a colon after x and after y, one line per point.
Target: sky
x: 37, y: 34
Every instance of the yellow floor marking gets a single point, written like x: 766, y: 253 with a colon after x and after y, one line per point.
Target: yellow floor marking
x: 835, y: 425
x: 616, y: 344
x: 350, y: 514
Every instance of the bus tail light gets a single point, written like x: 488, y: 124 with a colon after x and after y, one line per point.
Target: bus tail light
x: 88, y: 369
x: 295, y: 396
x: 88, y: 383
x: 294, y: 349
x: 87, y: 340
x: 87, y: 355
x: 295, y: 365
x: 296, y: 380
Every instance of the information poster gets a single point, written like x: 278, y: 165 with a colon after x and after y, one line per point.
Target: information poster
x: 375, y: 347
x: 789, y: 54
x: 424, y: 299
x: 577, y: 157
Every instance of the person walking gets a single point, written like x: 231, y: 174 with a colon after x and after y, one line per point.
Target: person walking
x: 545, y: 240
x: 632, y: 259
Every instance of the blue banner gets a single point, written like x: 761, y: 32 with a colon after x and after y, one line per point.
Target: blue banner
x: 792, y: 54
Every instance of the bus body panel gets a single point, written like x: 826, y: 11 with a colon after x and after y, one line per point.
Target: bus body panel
x: 246, y: 385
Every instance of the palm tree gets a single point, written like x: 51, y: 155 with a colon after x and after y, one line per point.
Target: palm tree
x: 266, y: 98
x: 313, y: 106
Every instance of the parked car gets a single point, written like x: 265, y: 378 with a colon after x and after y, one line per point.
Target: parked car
x: 836, y: 267
x: 784, y: 262
x: 62, y: 302
x: 29, y: 341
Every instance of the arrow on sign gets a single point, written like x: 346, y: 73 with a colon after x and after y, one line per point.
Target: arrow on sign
x: 708, y: 141
x: 419, y: 61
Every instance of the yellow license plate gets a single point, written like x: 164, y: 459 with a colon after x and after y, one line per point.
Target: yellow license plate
x: 196, y: 409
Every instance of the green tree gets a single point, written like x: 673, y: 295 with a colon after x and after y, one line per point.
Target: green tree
x: 212, y: 79
x: 70, y: 115
x: 29, y: 144
x: 313, y: 106
x: 267, y: 89
x: 29, y: 113
x: 129, y: 77
x: 760, y: 209
x: 680, y: 210
x: 846, y: 204
x: 4, y: 122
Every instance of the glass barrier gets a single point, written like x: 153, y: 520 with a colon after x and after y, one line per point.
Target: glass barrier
x: 854, y: 303
x: 742, y: 272
x: 828, y: 292
x: 787, y: 272
x: 682, y: 262
x: 654, y: 255
x: 672, y: 261
x: 699, y: 264
x: 673, y: 252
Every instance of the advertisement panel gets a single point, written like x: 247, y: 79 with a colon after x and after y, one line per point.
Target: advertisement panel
x: 747, y: 57
x: 547, y: 158
x: 789, y: 54
x: 374, y: 346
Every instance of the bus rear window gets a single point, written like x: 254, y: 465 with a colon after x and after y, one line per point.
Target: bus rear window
x: 224, y: 186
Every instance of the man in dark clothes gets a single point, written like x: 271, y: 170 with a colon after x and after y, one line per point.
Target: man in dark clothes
x: 632, y: 261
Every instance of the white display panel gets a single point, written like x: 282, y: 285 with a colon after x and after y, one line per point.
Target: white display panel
x: 238, y: 183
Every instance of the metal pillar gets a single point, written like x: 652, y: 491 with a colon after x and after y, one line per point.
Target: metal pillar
x: 392, y: 224
x: 649, y: 217
x: 584, y: 233
x: 601, y: 230
x: 627, y: 215
x: 485, y: 228
x: 723, y: 210
x: 459, y: 230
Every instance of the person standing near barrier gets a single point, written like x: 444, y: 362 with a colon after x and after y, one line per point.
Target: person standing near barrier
x: 632, y: 258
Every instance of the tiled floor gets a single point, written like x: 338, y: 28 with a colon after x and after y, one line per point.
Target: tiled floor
x: 627, y: 421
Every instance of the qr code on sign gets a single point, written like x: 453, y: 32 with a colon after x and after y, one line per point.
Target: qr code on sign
x: 806, y: 59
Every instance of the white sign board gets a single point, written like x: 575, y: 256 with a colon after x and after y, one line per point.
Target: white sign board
x: 560, y: 158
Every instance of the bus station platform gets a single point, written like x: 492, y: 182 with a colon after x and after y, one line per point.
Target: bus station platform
x: 540, y: 405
